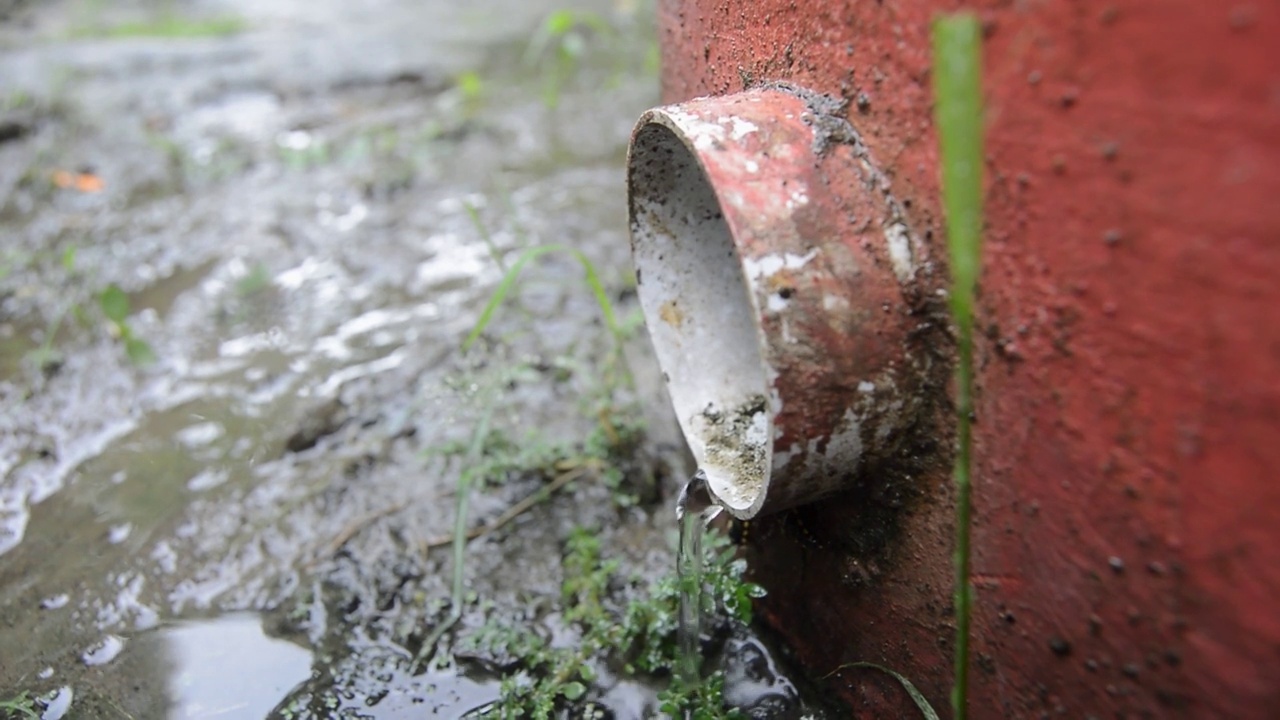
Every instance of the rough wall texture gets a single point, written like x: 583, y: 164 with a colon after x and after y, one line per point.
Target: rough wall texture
x: 1127, y: 532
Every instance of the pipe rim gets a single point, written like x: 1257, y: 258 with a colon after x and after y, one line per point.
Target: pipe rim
x: 722, y: 392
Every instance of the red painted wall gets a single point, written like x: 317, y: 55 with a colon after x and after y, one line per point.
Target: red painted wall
x: 1127, y: 493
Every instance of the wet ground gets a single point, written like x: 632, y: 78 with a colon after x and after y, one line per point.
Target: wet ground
x: 218, y: 500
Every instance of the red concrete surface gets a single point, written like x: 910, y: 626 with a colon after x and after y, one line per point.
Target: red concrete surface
x: 1127, y: 525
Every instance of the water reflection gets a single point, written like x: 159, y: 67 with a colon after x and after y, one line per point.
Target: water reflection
x: 226, y: 667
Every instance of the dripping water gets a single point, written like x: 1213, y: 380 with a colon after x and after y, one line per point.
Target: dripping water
x: 693, y: 510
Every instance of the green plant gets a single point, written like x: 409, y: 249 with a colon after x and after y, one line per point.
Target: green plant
x: 558, y: 45
x: 254, y: 281
x: 46, y: 356
x: 637, y: 635
x: 302, y: 151
x: 489, y: 457
x: 957, y: 47
x: 462, y: 493
x: 473, y: 214
x: 115, y: 307
x: 704, y: 701
x: 957, y: 77
x: 20, y: 705
x: 568, y: 42
x: 170, y: 26
x: 16, y: 99
x: 471, y: 90
x: 619, y: 425
x: 613, y: 371
x: 508, y: 281
x: 165, y: 23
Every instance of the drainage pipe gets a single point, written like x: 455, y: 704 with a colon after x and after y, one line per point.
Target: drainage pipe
x: 774, y: 269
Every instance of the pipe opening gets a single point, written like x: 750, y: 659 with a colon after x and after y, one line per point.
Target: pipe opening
x: 701, y: 316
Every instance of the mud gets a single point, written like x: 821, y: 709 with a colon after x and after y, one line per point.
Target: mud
x: 236, y: 528
x: 737, y: 446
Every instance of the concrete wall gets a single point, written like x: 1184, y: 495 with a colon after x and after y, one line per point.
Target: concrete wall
x: 1127, y: 524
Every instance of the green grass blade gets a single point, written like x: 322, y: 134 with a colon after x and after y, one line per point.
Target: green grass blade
x: 957, y: 72
x: 916, y: 696
x: 474, y: 214
x: 504, y: 288
x: 462, y: 492
x: 958, y: 84
x: 513, y: 273
x: 597, y: 290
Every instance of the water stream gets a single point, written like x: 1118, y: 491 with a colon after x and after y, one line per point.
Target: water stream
x: 693, y: 509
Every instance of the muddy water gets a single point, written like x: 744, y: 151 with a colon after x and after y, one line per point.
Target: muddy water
x: 234, y: 530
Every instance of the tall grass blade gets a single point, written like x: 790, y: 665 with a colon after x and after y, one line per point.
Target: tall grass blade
x: 957, y: 72
x: 513, y: 273
x: 474, y: 214
x: 916, y: 696
x: 462, y: 493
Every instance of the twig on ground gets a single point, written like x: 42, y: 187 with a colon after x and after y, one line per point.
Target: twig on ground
x: 355, y: 527
x: 514, y: 511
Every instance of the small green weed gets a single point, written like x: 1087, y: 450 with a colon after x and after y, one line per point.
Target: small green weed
x: 704, y: 701
x: 21, y: 705
x: 16, y: 100
x: 253, y: 282
x: 166, y: 23
x: 591, y: 277
x: 115, y: 308
x: 613, y: 370
x: 473, y: 214
x: 629, y: 627
x: 635, y: 634
x: 573, y: 46
x: 462, y: 493
x: 490, y: 458
x: 471, y: 90
x: 113, y: 304
x: 303, y: 151
x: 557, y: 48
x: 172, y: 27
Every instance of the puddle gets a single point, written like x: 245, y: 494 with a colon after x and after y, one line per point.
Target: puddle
x: 221, y: 668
